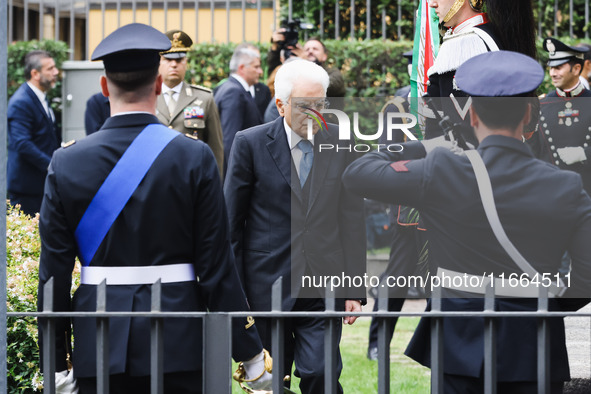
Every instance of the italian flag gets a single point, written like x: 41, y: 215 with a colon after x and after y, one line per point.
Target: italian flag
x: 426, y: 45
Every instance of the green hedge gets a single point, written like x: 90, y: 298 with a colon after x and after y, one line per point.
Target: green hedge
x: 370, y: 68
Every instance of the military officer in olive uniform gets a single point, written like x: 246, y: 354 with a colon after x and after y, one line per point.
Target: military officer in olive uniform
x: 189, y: 109
x: 564, y: 131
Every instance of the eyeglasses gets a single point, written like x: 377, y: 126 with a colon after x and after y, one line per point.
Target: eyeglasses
x: 305, y: 106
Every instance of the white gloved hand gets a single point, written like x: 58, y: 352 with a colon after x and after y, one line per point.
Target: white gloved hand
x: 437, y: 142
x: 255, y: 367
x: 65, y: 383
x: 572, y: 154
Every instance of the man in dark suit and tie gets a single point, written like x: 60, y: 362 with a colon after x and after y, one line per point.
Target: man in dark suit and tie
x: 236, y: 104
x: 32, y: 133
x: 290, y: 217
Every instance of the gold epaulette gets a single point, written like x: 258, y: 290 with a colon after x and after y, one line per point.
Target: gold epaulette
x: 69, y: 143
x: 191, y: 136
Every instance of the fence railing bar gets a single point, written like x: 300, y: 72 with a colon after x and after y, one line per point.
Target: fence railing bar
x: 26, y: 21
x: 352, y: 21
x: 322, y: 19
x: 436, y: 344
x: 383, y: 343
x: 72, y: 30
x: 181, y: 9
x: 368, y: 20
x: 134, y: 10
x: 165, y: 9
x: 56, y: 24
x: 543, y: 345
x: 243, y: 20
x: 156, y: 344
x: 331, y: 345
x: 48, y: 325
x: 259, y: 15
x: 102, y: 340
x: 87, y: 39
x: 277, y: 336
x: 228, y: 21
x: 490, y: 344
x: 196, y: 21
x: 211, y: 11
x: 337, y: 18
x: 41, y: 22
x: 217, y: 354
x: 10, y: 19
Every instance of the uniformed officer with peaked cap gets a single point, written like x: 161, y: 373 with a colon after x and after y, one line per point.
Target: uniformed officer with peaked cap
x: 564, y: 131
x: 136, y: 203
x: 187, y: 108
x: 560, y: 53
x: 543, y: 211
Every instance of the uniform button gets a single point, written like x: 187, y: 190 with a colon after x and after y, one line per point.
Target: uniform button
x: 585, y: 145
x: 550, y: 139
x: 545, y: 125
x: 555, y: 155
x: 547, y: 132
x: 557, y: 162
x: 542, y: 118
x: 170, y: 127
x: 588, y: 137
x: 552, y: 147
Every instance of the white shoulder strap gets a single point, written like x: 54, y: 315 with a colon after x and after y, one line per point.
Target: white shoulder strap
x: 490, y: 43
x: 488, y: 201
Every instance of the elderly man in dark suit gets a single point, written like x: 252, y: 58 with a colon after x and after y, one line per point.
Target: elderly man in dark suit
x: 160, y: 216
x: 32, y: 133
x: 480, y: 207
x: 236, y: 104
x: 290, y: 217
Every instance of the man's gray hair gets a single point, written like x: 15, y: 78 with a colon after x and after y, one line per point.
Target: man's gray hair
x: 242, y: 56
x: 33, y: 61
x: 297, y: 70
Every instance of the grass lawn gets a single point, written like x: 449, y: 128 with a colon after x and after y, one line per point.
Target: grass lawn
x: 360, y: 376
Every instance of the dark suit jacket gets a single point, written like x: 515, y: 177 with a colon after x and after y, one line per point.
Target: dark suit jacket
x: 544, y: 212
x: 262, y: 96
x: 98, y: 109
x: 276, y: 226
x: 176, y: 215
x: 238, y: 111
x: 32, y: 138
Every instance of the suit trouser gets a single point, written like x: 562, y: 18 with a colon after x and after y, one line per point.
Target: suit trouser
x: 304, y: 345
x: 176, y: 382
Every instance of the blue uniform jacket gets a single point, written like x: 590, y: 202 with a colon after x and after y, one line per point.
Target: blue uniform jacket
x: 176, y: 215
x: 544, y: 212
x: 32, y: 138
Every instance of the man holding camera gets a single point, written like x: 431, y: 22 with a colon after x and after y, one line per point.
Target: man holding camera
x: 313, y: 50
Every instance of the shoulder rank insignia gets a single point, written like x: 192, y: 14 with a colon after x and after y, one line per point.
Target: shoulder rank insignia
x: 191, y: 136
x: 250, y: 323
x: 69, y: 143
x: 400, y: 166
x: 202, y: 88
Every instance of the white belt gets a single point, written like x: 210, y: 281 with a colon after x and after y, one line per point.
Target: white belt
x: 466, y: 282
x: 137, y: 275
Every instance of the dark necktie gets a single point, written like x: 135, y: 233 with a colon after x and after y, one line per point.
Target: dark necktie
x: 306, y: 162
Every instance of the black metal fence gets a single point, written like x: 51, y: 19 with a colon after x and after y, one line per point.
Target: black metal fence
x: 217, y: 339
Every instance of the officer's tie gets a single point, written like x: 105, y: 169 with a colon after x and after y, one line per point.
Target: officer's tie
x: 307, y: 157
x: 171, y: 102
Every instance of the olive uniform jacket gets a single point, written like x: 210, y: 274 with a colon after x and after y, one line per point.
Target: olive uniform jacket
x: 195, y: 114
